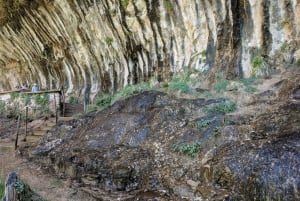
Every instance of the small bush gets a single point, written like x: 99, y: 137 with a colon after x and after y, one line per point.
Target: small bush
x: 109, y: 41
x: 92, y: 108
x: 260, y: 67
x: 14, y: 96
x: 202, y: 124
x: 2, y: 189
x: 26, y: 99
x: 221, y: 85
x: 73, y: 100
x: 188, y: 149
x: 130, y: 90
x: 41, y: 99
x: 2, y: 107
x: 179, y: 86
x: 103, y: 101
x: 223, y: 108
x: 249, y: 84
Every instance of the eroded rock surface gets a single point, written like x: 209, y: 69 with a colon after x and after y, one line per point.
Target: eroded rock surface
x: 127, y: 150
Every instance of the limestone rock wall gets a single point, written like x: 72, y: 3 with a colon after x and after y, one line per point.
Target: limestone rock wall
x: 93, y: 46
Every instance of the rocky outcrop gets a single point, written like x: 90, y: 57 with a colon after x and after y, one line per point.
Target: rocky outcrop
x: 98, y: 46
x: 156, y: 146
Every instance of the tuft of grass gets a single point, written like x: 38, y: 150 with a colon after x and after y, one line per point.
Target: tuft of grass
x: 168, y: 5
x: 249, y: 84
x: 179, y: 86
x: 260, y: 67
x: 188, y: 149
x: 109, y: 41
x: 130, y: 90
x: 202, y: 123
x: 125, y: 3
x: 103, y: 101
x: 73, y: 100
x: 92, y: 108
x: 221, y: 85
x: 2, y: 188
x: 226, y: 107
x: 26, y: 99
x: 2, y: 107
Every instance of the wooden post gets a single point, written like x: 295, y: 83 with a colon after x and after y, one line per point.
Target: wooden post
x: 26, y: 122
x: 17, y: 135
x: 55, y: 107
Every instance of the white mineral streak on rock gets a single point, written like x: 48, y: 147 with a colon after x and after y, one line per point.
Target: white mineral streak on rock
x: 105, y: 45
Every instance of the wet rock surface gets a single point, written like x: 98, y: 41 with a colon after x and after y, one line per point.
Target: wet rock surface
x: 126, y: 152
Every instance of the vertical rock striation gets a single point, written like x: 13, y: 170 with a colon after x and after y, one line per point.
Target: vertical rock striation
x: 97, y: 46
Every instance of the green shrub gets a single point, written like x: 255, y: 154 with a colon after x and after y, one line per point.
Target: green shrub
x: 226, y: 107
x: 103, y: 101
x: 2, y: 189
x: 168, y: 5
x: 125, y: 3
x: 2, y: 107
x: 249, y: 84
x: 26, y: 99
x: 108, y: 41
x: 130, y: 90
x: 41, y: 99
x: 221, y: 85
x: 14, y: 96
x: 260, y: 67
x: 92, y: 108
x: 202, y: 123
x: 188, y: 149
x: 73, y: 100
x: 179, y: 86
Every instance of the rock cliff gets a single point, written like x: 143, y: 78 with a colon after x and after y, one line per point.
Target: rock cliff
x: 97, y: 46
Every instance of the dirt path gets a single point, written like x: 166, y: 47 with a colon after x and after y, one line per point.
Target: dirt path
x: 46, y: 185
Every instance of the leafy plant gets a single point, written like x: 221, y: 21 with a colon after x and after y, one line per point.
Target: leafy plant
x: 226, y: 107
x: 73, y: 100
x: 41, y: 99
x: 26, y: 99
x: 125, y: 3
x: 202, y: 123
x: 109, y: 40
x: 2, y: 107
x: 260, y: 67
x: 2, y: 189
x: 188, y: 149
x: 249, y: 84
x: 221, y: 85
x: 130, y: 90
x: 14, y: 95
x: 179, y: 86
x: 19, y: 186
x: 168, y: 5
x: 92, y: 108
x: 103, y: 101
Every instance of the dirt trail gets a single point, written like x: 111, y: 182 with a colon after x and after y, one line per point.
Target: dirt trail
x: 46, y: 185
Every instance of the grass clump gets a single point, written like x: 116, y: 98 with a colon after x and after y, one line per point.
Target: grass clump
x: 130, y: 90
x: 103, y: 101
x: 2, y: 188
x: 188, y: 149
x: 179, y: 86
x: 26, y: 99
x: 73, y: 100
x: 221, y: 85
x: 260, y: 67
x: 226, y: 107
x: 202, y: 123
x: 249, y: 84
x: 2, y: 107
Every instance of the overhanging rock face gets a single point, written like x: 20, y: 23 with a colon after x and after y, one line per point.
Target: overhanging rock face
x: 100, y: 46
